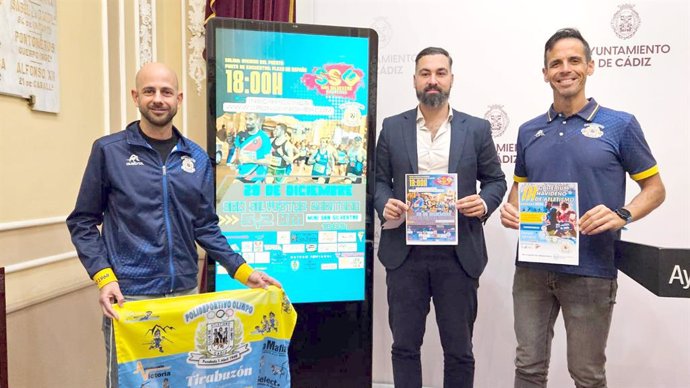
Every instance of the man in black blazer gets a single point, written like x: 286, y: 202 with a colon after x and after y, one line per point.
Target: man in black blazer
x: 434, y: 138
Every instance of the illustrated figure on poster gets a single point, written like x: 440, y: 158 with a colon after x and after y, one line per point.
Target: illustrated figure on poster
x: 600, y: 146
x: 565, y: 212
x: 340, y: 160
x: 251, y: 152
x: 302, y: 156
x: 551, y: 218
x: 230, y: 140
x: 322, y: 162
x: 299, y: 164
x: 417, y: 204
x: 355, y: 157
x: 565, y: 227
x: 282, y: 155
x: 221, y: 137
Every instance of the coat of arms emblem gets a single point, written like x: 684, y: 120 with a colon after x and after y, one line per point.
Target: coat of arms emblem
x: 219, y: 339
x: 625, y: 21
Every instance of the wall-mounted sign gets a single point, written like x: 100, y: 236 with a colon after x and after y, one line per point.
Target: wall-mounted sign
x: 28, y: 52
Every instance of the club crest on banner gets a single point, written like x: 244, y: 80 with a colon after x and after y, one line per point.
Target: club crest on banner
x: 219, y: 336
x: 218, y: 339
x: 625, y: 21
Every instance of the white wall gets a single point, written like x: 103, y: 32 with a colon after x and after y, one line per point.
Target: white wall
x: 497, y: 48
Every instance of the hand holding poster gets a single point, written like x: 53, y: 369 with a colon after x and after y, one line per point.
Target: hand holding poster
x: 223, y: 339
x: 432, y: 218
x: 548, y: 223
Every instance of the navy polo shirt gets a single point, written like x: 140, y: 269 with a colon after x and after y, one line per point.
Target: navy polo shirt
x: 595, y: 147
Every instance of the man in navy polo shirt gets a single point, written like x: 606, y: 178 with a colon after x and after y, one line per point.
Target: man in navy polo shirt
x: 577, y: 140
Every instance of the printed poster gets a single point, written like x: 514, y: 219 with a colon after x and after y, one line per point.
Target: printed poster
x: 223, y: 339
x: 548, y: 223
x: 432, y: 218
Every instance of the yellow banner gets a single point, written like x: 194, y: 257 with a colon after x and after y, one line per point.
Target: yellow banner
x: 223, y: 339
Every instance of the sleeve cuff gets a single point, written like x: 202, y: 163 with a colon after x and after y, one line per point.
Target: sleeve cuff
x: 242, y: 273
x: 645, y: 174
x: 104, y: 276
x: 519, y: 179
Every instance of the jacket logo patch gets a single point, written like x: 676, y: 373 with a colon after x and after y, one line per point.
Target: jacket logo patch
x: 134, y: 161
x: 188, y: 164
x: 593, y: 130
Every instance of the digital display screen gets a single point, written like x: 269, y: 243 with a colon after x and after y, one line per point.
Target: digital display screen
x: 290, y: 120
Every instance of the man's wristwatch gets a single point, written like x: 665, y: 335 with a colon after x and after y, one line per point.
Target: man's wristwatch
x: 624, y: 214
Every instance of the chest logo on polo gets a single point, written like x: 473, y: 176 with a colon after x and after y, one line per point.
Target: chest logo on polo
x: 188, y: 164
x: 133, y: 160
x: 593, y: 130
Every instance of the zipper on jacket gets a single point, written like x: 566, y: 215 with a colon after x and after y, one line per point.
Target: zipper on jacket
x: 168, y: 232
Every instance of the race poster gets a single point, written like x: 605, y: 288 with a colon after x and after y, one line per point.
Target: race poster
x: 223, y: 339
x: 291, y: 140
x: 432, y: 218
x: 548, y: 223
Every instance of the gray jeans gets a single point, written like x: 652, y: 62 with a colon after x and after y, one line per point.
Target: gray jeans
x: 111, y: 380
x: 587, y: 305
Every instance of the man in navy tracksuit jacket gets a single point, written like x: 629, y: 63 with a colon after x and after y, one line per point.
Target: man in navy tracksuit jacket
x: 152, y: 191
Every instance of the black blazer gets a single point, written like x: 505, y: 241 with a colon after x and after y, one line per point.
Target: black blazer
x: 472, y: 156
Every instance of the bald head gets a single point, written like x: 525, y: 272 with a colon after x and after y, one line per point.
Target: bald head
x: 157, y: 97
x: 156, y: 70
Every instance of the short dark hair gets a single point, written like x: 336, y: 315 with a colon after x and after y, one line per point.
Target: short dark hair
x: 433, y: 51
x: 565, y: 33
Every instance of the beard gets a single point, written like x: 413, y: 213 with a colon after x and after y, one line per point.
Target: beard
x: 159, y: 121
x: 252, y: 128
x: 433, y: 100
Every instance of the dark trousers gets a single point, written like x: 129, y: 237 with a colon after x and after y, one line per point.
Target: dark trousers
x: 432, y: 273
